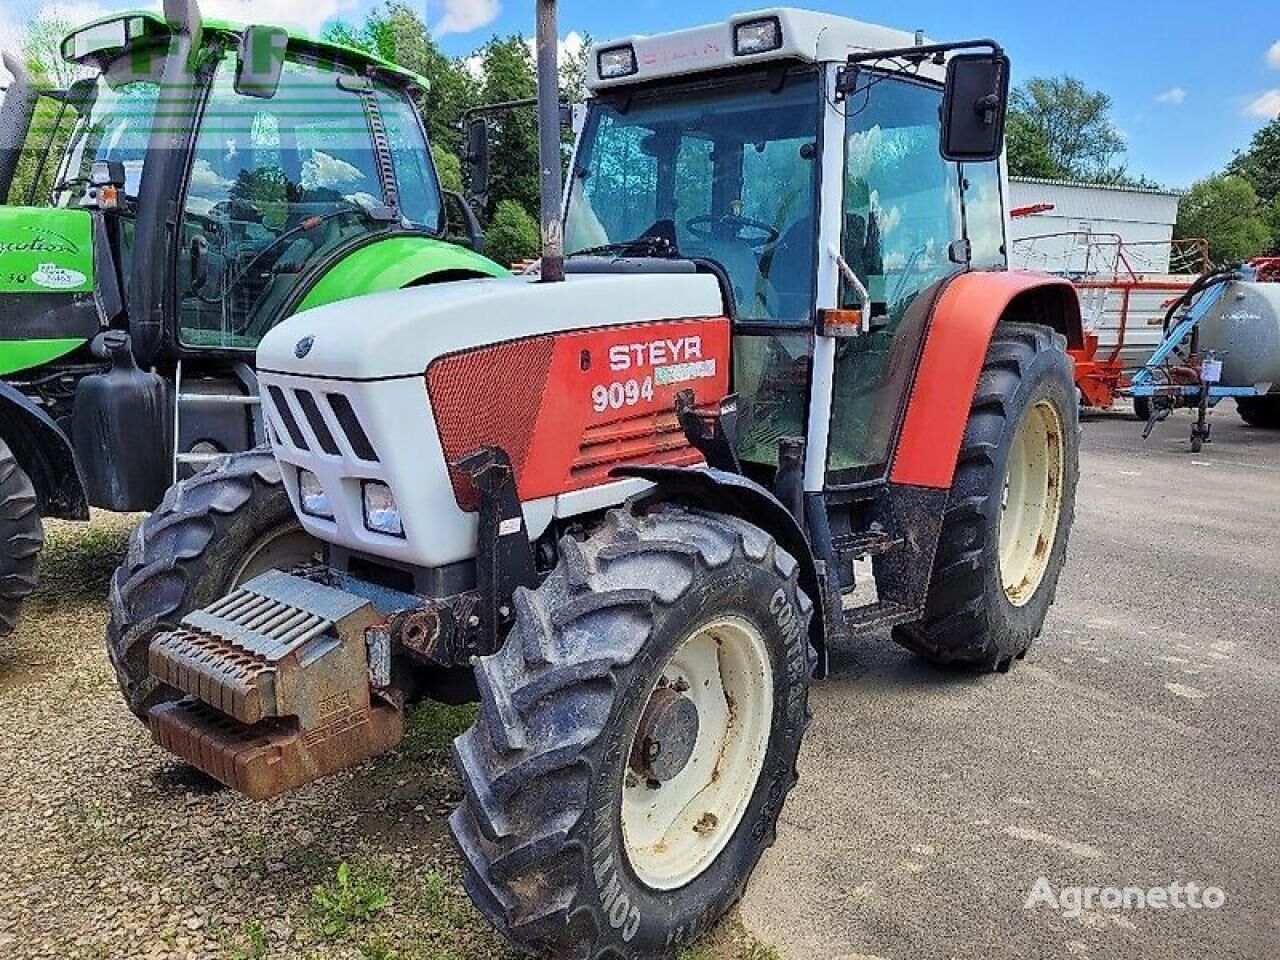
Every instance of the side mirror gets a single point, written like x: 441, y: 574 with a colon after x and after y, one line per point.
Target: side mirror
x: 260, y: 61
x: 478, y: 159
x: 975, y: 107
x: 464, y: 225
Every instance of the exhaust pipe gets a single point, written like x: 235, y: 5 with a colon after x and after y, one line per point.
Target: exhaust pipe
x: 549, y: 154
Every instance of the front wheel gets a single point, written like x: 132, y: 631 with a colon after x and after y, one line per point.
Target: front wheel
x: 638, y: 735
x: 1009, y: 514
x: 21, y: 539
x: 223, y: 527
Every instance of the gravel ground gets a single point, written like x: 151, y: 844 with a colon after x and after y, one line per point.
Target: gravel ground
x: 1139, y: 744
x: 110, y: 849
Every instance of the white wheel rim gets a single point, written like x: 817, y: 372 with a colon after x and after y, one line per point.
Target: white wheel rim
x: 277, y: 550
x: 1032, y: 503
x: 675, y: 831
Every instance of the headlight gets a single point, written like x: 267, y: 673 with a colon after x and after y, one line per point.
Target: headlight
x: 381, y: 515
x: 618, y: 62
x: 315, y: 502
x: 757, y: 36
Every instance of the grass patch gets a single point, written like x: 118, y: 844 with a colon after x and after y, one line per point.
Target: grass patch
x: 352, y: 897
x: 252, y: 943
x: 430, y: 730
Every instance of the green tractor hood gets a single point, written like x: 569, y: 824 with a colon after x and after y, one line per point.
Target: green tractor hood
x: 47, y: 303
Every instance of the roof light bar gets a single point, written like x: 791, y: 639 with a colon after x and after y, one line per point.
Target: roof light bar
x: 617, y: 62
x: 757, y: 36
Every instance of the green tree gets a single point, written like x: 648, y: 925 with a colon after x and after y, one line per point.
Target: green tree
x: 1028, y: 148
x: 1225, y: 211
x: 1272, y: 216
x: 513, y: 235
x: 50, y: 124
x: 395, y: 32
x: 1071, y: 122
x: 1259, y: 163
x: 509, y: 75
x: 449, y: 167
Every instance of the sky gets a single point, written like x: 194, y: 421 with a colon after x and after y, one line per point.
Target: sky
x: 1190, y: 84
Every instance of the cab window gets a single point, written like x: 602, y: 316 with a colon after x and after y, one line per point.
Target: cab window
x: 902, y: 215
x: 275, y: 187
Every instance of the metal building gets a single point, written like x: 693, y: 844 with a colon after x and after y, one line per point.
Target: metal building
x: 1116, y: 243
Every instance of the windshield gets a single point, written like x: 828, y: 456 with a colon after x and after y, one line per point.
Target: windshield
x: 115, y: 126
x: 727, y: 174
x: 279, y: 187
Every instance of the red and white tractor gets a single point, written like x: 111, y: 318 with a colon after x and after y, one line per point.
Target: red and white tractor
x: 624, y: 511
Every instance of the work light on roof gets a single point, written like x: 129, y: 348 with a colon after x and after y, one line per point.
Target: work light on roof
x: 617, y: 62
x: 757, y: 36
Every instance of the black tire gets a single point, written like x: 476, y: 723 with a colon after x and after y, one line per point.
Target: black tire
x: 1260, y: 412
x: 543, y: 767
x: 1142, y: 408
x: 193, y: 550
x: 21, y: 539
x: 969, y: 620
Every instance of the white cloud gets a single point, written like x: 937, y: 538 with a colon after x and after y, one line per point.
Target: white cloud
x: 1273, y: 56
x: 1266, y: 106
x: 323, y: 170
x: 464, y: 16
x: 1175, y: 96
x: 570, y: 46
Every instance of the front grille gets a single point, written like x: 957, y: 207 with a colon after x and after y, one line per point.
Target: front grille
x: 286, y: 416
x: 313, y: 407
x: 321, y: 429
x: 350, y: 425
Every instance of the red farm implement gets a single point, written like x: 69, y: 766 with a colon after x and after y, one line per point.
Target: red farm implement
x: 1125, y: 289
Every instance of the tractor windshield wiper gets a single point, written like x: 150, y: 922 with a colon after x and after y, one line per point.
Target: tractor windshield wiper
x: 639, y: 247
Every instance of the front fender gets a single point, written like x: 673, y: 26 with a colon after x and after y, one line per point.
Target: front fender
x: 736, y: 495
x: 955, y: 349
x: 395, y: 263
x: 45, y: 454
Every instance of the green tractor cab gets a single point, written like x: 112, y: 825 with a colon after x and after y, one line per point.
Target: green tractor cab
x: 205, y: 182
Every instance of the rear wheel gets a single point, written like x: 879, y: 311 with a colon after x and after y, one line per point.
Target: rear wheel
x: 1004, y: 534
x: 638, y: 734
x: 21, y: 538
x: 1262, y: 412
x: 214, y: 531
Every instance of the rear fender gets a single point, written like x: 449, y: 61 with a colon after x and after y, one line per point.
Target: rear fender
x: 722, y: 492
x: 45, y: 454
x: 955, y: 349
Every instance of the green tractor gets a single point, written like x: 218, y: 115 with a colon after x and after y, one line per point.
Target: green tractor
x: 163, y: 214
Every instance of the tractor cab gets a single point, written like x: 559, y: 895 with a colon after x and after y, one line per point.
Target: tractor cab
x: 763, y: 150
x: 272, y: 182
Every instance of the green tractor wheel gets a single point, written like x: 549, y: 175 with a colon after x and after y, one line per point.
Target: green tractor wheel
x: 21, y: 538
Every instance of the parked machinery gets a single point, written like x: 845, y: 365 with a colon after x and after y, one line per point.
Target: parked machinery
x: 1222, y: 339
x: 208, y: 180
x: 622, y: 511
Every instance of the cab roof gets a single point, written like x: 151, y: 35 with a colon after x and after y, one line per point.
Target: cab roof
x: 806, y: 36
x: 98, y: 42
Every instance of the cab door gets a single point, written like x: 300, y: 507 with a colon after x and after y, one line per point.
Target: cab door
x: 902, y: 227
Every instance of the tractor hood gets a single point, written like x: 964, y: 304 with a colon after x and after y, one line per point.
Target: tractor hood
x: 47, y: 302
x: 398, y: 334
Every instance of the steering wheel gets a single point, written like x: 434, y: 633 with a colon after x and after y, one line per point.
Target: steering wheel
x: 703, y: 227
